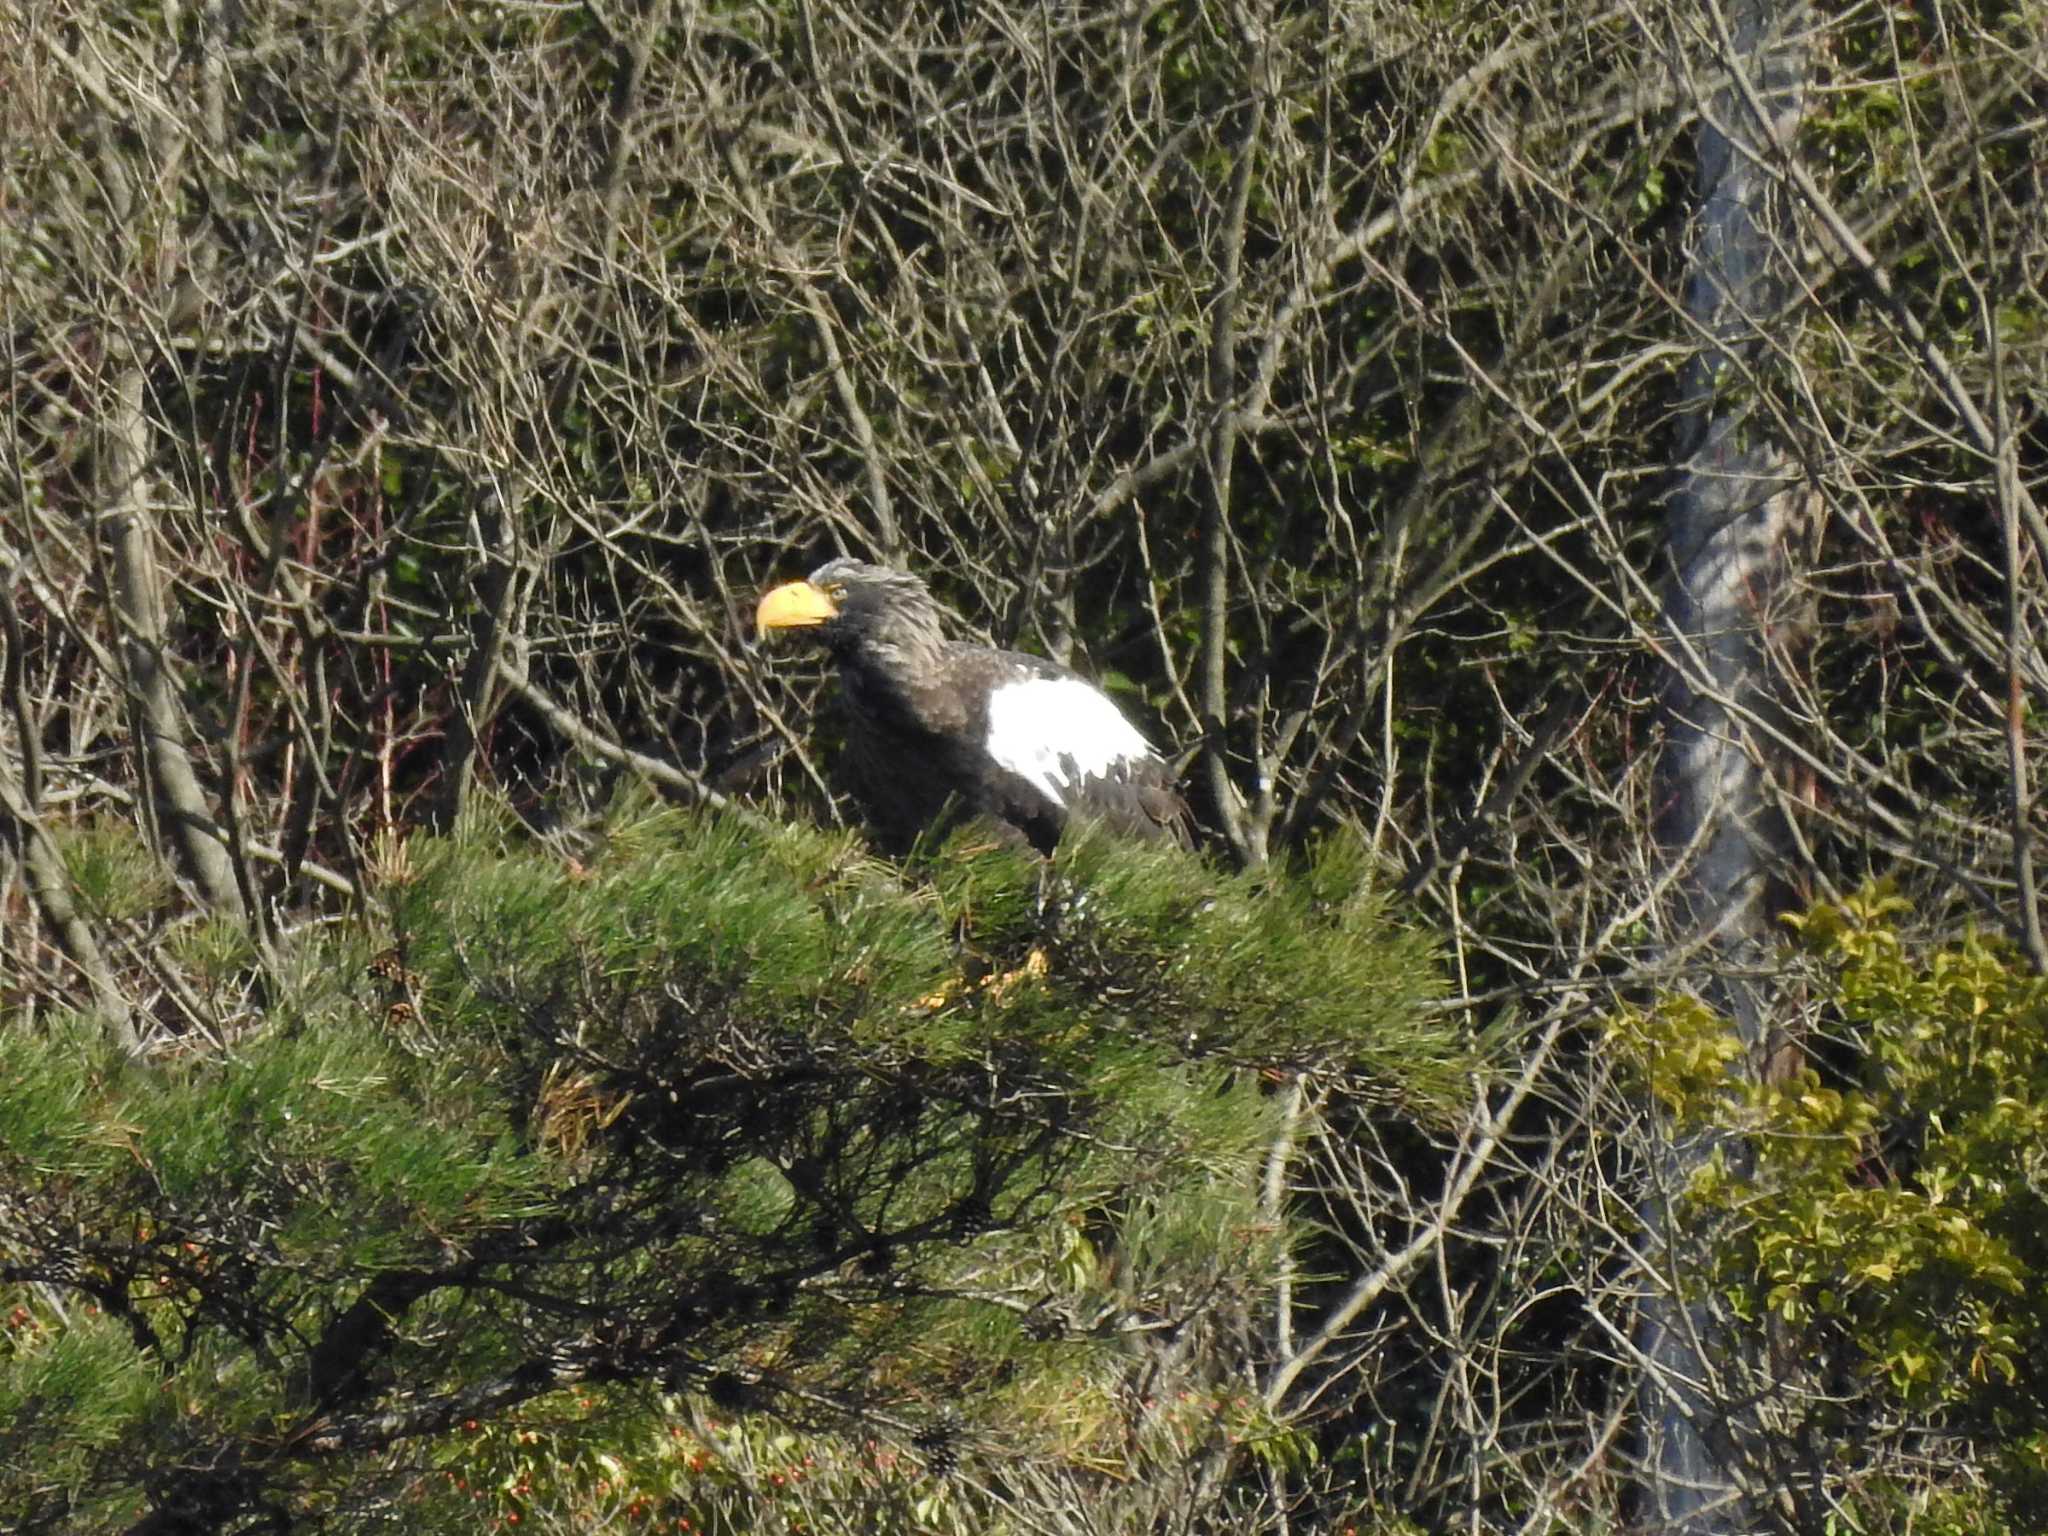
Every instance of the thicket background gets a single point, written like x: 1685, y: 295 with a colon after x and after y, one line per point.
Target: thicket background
x: 406, y: 405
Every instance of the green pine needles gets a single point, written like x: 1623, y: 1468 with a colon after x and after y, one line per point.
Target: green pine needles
x: 712, y: 1124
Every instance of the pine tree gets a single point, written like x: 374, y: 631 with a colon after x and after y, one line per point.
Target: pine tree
x: 711, y: 1125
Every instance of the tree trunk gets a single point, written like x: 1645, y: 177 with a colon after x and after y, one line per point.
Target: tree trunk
x: 183, y: 815
x: 1736, y: 501
x: 140, y: 189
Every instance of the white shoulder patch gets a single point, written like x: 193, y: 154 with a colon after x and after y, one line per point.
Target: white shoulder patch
x: 1057, y: 731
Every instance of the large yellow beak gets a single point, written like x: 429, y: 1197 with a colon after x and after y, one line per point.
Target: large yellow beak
x: 794, y: 605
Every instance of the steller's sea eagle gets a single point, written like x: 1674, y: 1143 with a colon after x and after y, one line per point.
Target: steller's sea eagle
x: 940, y: 731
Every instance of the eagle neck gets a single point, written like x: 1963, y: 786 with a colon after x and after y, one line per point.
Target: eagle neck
x: 898, y: 673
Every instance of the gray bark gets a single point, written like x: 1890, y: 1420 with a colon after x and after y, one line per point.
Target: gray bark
x: 1728, y: 523
x: 184, y: 819
x: 21, y: 807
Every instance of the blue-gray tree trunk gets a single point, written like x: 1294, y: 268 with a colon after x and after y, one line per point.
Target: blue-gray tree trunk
x: 1735, y: 503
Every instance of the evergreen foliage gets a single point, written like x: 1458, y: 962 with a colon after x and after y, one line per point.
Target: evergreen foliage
x: 710, y: 1114
x: 1886, y: 1209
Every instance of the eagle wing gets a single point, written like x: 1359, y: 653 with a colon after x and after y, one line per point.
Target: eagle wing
x: 1065, y: 749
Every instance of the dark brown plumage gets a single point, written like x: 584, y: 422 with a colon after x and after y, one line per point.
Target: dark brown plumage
x: 940, y: 731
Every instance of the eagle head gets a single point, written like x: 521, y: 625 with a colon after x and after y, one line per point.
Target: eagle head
x: 849, y: 605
